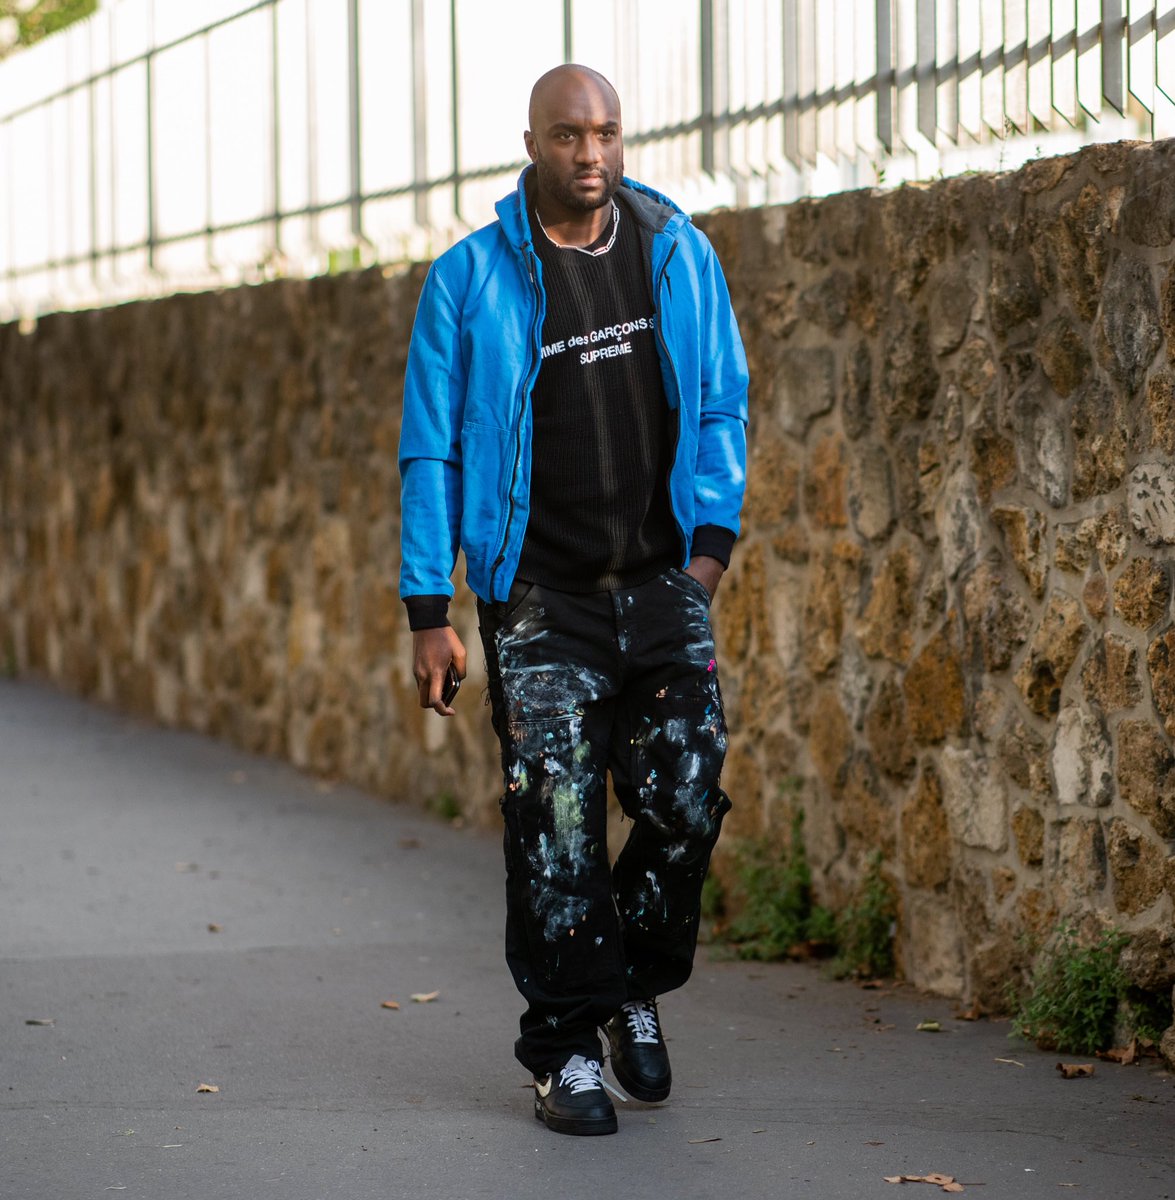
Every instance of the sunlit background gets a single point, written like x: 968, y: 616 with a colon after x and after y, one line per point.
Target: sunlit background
x: 164, y: 144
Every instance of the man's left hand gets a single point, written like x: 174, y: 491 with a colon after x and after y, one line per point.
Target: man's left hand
x: 707, y: 571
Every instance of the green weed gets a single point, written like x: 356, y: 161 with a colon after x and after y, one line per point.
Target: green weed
x: 1073, y: 995
x: 445, y: 806
x: 773, y: 900
x: 1147, y: 1015
x: 865, y: 930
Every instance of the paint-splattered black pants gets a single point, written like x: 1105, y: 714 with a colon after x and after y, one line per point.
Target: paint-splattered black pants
x: 581, y: 685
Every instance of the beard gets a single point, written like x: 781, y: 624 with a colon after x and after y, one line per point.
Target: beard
x: 549, y: 181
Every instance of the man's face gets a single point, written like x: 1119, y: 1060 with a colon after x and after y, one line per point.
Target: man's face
x: 576, y: 145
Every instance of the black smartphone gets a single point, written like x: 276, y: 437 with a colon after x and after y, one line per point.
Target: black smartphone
x: 451, y: 688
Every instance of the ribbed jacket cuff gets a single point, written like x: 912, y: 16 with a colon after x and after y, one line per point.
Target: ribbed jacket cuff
x: 714, y: 542
x: 427, y: 612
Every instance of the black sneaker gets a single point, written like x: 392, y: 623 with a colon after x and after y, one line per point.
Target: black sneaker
x: 577, y: 1101
x: 640, y: 1059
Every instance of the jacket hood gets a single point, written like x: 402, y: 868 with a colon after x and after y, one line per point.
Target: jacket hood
x: 652, y: 208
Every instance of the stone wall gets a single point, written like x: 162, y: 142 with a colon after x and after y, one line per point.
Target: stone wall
x: 947, y: 633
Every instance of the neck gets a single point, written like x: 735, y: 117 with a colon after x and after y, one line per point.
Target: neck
x: 569, y: 228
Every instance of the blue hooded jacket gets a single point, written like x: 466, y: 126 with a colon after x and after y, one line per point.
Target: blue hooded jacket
x: 465, y: 438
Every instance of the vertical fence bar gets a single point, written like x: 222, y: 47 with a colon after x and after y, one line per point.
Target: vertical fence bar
x: 311, y: 128
x: 926, y: 74
x: 706, y: 66
x: 1016, y: 64
x: 1064, y: 47
x: 9, y: 199
x: 209, y: 148
x: 92, y: 100
x: 884, y: 75
x: 419, y: 116
x: 1113, y: 48
x: 806, y: 79
x: 846, y: 34
x: 567, y: 28
x: 1140, y: 52
x: 276, y: 126
x: 150, y: 85
x: 354, y: 122
x: 791, y: 83
x: 826, y: 32
x: 1165, y: 48
x: 1089, y: 57
x: 1040, y: 77
x: 970, y: 35
x: 946, y: 36
x: 991, y: 45
x: 455, y: 110
x: 113, y: 119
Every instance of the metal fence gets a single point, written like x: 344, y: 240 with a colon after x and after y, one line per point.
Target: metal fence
x: 162, y: 144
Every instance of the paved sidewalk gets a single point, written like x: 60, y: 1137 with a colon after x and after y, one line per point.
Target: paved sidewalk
x: 184, y: 914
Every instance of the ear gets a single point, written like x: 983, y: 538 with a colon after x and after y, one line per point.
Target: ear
x: 531, y: 146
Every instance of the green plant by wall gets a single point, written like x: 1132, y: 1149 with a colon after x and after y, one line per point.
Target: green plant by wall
x: 1147, y: 1015
x: 773, y: 901
x: 1073, y: 995
x: 445, y: 806
x: 865, y: 930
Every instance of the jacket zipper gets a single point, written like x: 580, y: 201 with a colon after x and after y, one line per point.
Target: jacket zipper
x: 526, y: 384
x: 677, y: 387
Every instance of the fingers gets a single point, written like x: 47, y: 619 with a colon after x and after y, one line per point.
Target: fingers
x: 433, y: 651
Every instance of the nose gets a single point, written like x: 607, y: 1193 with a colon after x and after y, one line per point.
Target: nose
x: 589, y: 149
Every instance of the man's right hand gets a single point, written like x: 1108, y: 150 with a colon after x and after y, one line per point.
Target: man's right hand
x: 432, y: 652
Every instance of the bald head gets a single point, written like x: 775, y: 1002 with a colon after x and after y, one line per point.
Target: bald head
x: 575, y: 143
x: 561, y: 83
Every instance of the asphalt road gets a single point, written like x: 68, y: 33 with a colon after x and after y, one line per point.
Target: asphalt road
x: 174, y: 913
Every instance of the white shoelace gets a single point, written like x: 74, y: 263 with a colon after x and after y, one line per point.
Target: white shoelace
x: 642, y: 1020
x: 583, y: 1075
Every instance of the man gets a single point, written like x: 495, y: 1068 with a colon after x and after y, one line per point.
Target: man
x: 574, y: 420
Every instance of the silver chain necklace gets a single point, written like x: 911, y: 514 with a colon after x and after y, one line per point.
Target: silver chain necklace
x: 583, y: 249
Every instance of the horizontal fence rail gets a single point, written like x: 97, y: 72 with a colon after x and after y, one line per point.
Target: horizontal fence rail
x: 161, y: 144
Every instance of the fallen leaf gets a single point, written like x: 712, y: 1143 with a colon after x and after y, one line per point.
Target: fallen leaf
x: 410, y: 843
x: 208, y: 1087
x: 424, y: 997
x: 40, y: 1020
x: 928, y: 1027
x: 389, y: 1004
x: 214, y: 927
x: 238, y: 777
x: 1122, y: 1054
x: 1075, y: 1070
x: 872, y: 1143
x: 974, y: 1013
x: 702, y: 1141
x: 1010, y: 1061
x: 871, y: 985
x: 948, y: 1183
x: 1145, y: 1099
x: 186, y: 867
